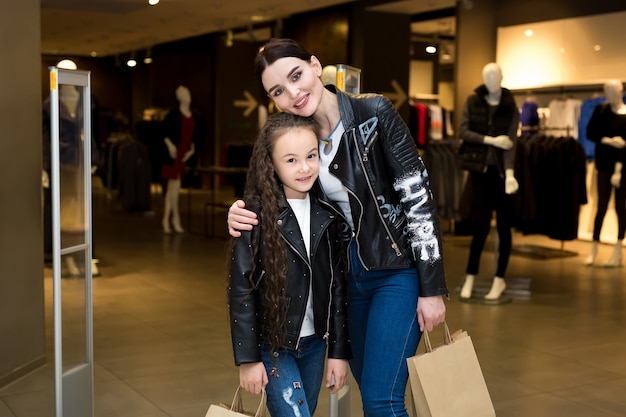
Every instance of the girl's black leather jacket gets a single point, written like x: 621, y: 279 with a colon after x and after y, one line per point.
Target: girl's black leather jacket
x: 394, y: 214
x: 326, y: 269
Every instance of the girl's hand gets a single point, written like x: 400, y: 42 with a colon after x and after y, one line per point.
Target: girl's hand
x: 253, y: 377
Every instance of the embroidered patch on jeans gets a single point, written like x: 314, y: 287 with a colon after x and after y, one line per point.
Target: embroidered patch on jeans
x: 296, y: 385
x: 274, y: 372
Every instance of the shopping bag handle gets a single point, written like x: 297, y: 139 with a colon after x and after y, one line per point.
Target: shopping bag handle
x: 447, y: 339
x: 237, y: 404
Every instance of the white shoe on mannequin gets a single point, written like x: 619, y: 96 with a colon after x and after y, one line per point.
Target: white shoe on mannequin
x: 497, y: 288
x: 166, y: 225
x: 616, y: 258
x: 176, y: 220
x: 466, y: 291
x: 94, y: 268
x: 71, y: 266
x: 592, y: 256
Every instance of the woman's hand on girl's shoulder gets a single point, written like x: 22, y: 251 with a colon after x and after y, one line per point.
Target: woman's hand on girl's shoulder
x: 240, y: 219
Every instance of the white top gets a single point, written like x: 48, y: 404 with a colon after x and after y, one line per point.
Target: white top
x: 302, y: 211
x: 563, y: 119
x: 330, y: 184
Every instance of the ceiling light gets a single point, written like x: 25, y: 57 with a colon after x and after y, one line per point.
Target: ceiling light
x: 528, y: 33
x: 132, y: 62
x: 67, y: 64
x: 229, y: 38
x: 431, y: 49
x: 597, y: 48
x: 147, y: 59
x: 153, y: 2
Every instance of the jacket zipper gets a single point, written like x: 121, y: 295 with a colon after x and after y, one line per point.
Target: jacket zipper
x: 330, y: 291
x: 308, y: 264
x: 368, y: 145
x: 394, y: 245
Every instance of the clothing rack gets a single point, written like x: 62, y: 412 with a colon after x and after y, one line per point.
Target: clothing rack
x: 536, y: 251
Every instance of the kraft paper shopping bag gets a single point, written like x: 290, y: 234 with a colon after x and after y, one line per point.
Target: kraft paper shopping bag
x: 447, y: 380
x: 236, y: 408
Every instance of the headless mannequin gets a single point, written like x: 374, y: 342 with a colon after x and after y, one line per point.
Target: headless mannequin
x: 492, y: 78
x: 613, y: 91
x: 69, y: 97
x: 171, y: 208
x: 329, y: 75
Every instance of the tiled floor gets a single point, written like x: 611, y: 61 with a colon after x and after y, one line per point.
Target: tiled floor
x: 162, y: 346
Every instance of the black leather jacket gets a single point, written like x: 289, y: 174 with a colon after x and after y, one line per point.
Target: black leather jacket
x: 326, y: 268
x: 394, y: 214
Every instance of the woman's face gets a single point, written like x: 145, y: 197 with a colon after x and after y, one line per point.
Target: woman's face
x: 294, y: 85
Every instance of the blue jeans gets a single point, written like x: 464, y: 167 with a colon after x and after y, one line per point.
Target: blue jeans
x: 295, y: 378
x: 384, y: 332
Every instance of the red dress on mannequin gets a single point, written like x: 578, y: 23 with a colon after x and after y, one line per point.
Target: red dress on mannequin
x: 177, y: 169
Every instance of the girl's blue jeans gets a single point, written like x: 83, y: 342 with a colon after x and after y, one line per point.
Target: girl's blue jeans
x: 295, y: 378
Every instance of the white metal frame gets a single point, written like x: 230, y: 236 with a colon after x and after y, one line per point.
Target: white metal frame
x: 74, y: 387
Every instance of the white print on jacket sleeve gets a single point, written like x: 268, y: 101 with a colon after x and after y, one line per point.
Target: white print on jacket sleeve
x: 420, y: 225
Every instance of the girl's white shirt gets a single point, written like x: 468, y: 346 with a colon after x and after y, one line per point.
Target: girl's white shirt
x: 302, y: 210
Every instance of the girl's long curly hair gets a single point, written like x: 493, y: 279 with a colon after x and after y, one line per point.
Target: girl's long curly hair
x: 264, y: 193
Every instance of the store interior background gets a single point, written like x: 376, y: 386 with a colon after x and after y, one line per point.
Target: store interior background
x: 370, y: 35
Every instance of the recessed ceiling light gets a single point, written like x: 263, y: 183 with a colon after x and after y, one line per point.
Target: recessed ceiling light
x: 67, y: 64
x: 528, y: 33
x: 153, y: 2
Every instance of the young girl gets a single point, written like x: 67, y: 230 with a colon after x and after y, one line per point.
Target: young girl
x: 371, y: 169
x: 287, y: 292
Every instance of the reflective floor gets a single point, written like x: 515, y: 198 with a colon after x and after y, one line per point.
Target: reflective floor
x: 162, y: 345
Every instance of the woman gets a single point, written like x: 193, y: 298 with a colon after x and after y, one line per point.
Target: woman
x: 371, y: 169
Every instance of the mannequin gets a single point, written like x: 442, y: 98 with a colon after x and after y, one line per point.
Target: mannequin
x: 69, y: 96
x: 180, y: 130
x: 70, y: 170
x: 607, y: 128
x: 329, y: 75
x: 490, y: 117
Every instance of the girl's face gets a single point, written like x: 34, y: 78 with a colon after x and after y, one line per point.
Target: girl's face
x: 295, y: 157
x: 294, y: 85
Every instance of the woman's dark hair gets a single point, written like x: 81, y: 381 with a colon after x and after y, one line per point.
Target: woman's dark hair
x: 264, y: 192
x: 275, y: 49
